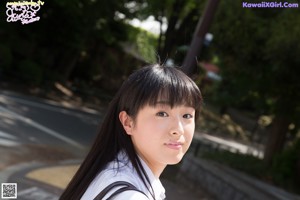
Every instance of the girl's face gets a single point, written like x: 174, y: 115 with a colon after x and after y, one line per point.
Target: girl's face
x: 161, y: 134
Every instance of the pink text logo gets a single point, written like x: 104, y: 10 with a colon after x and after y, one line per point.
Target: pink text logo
x: 23, y: 11
x: 274, y: 4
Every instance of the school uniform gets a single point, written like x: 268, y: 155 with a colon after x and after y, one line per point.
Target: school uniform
x: 124, y: 171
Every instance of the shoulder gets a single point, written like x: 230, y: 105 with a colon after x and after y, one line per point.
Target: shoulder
x: 102, y: 181
x: 130, y: 195
x: 113, y: 173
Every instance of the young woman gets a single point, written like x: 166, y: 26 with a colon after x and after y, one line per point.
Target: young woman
x: 149, y: 125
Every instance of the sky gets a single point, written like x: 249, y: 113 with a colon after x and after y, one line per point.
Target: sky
x: 150, y: 24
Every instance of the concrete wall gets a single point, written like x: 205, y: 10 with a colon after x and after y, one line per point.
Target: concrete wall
x: 225, y: 183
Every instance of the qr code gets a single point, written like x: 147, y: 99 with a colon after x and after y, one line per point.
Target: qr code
x: 9, y: 191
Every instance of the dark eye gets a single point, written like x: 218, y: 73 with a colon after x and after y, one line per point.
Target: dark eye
x: 162, y: 114
x: 187, y: 116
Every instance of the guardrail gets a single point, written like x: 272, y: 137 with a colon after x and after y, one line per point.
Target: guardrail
x: 207, y: 143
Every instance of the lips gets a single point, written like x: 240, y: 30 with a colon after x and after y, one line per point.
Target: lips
x: 174, y: 145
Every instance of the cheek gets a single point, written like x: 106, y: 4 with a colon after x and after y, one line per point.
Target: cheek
x: 154, y: 126
x: 190, y: 130
x: 144, y: 131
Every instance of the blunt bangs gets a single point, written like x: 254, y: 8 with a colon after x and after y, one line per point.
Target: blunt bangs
x: 156, y: 83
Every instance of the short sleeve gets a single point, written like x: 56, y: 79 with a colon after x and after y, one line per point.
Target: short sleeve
x: 130, y: 195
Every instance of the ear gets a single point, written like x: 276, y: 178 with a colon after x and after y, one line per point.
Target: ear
x: 126, y: 121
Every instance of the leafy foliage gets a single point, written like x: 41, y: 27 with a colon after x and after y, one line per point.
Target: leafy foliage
x: 30, y: 72
x: 181, y: 17
x: 258, y: 51
x: 284, y: 167
x: 6, y: 57
x: 145, y: 43
x: 68, y: 35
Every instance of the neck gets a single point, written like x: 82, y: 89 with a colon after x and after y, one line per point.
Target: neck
x: 157, y: 171
x: 155, y: 168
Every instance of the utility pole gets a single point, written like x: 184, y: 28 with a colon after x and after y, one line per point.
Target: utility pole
x: 190, y: 60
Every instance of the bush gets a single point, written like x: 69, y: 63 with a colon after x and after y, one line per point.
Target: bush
x: 145, y: 42
x: 6, y: 58
x: 284, y: 169
x: 30, y: 72
x: 246, y: 163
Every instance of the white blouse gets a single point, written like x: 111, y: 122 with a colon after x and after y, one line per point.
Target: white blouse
x: 124, y: 171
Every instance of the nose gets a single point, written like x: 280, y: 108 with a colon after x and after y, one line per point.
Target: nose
x: 177, y: 127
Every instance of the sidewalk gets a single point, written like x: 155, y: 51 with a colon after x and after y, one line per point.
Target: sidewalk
x: 37, y: 181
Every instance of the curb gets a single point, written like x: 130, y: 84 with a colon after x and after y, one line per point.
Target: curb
x: 31, y: 188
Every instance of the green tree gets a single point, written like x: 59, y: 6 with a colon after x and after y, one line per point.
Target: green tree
x: 259, y: 51
x: 67, y: 33
x: 181, y: 16
x: 86, y: 26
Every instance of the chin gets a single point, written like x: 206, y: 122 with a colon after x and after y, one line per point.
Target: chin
x: 173, y: 163
x: 175, y: 160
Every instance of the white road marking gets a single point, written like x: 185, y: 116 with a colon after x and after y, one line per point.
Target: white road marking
x: 6, y: 135
x: 35, y: 193
x: 42, y: 128
x: 8, y: 143
x: 29, y: 190
x: 7, y: 139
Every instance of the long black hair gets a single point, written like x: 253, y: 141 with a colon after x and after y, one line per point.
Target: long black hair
x: 144, y: 87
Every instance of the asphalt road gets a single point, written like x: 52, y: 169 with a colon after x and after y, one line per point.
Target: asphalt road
x: 26, y: 120
x: 29, y: 120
